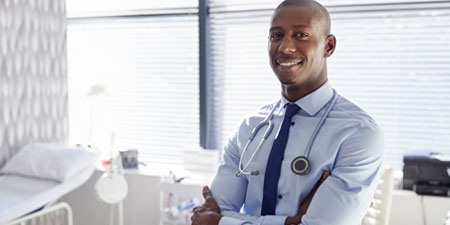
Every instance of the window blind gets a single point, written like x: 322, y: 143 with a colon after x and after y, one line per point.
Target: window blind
x: 225, y: 6
x: 137, y: 76
x: 392, y: 59
x: 88, y: 8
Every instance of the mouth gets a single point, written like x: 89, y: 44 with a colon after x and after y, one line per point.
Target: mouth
x: 288, y: 64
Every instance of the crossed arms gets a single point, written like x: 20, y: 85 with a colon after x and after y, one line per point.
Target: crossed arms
x: 209, y: 212
x: 342, y: 198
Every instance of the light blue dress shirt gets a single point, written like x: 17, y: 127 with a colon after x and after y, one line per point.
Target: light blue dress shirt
x: 349, y: 145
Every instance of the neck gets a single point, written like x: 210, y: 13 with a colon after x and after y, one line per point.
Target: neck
x: 294, y: 93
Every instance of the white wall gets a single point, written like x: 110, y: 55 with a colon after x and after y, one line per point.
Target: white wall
x: 141, y: 206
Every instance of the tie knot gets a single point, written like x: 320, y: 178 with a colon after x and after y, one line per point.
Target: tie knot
x: 291, y: 110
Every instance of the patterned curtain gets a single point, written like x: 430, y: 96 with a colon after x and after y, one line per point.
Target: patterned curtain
x: 33, y: 74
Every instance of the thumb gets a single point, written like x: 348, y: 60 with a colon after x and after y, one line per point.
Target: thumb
x: 324, y: 176
x: 206, y: 192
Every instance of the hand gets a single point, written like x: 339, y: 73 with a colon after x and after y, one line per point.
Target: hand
x: 209, y: 212
x: 297, y: 219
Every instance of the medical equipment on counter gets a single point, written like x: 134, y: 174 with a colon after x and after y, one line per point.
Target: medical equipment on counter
x: 129, y: 158
x: 301, y: 164
x: 427, y: 173
x: 177, y: 201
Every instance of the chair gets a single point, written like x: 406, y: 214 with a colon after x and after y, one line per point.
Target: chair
x: 379, y: 211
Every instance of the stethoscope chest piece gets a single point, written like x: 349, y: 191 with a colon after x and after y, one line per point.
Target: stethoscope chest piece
x: 300, y: 165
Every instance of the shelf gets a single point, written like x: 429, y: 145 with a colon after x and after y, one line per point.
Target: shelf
x: 174, y: 194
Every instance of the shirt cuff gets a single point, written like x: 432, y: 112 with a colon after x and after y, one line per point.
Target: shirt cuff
x: 225, y: 220
x: 268, y: 220
x: 271, y: 220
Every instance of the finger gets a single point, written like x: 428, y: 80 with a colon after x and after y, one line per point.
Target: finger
x: 324, y: 176
x: 194, y: 220
x: 206, y: 192
x: 198, y: 209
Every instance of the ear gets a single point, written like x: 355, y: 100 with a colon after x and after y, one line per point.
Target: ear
x: 330, y: 45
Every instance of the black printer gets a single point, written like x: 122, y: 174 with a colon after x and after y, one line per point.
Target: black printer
x: 427, y: 174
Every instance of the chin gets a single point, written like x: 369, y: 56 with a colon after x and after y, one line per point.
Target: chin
x: 286, y: 82
x: 287, y: 79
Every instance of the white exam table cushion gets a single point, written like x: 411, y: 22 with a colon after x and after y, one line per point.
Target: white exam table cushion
x: 20, y: 195
x: 48, y: 161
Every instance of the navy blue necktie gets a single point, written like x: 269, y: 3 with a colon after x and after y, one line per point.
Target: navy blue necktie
x: 273, y: 167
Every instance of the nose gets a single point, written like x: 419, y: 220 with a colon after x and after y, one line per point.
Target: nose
x: 287, y: 45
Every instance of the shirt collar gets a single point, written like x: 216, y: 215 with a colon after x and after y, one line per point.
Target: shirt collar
x: 314, y: 101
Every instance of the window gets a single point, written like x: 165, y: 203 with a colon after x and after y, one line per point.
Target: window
x: 137, y: 75
x: 396, y: 65
x: 135, y: 63
x: 393, y: 60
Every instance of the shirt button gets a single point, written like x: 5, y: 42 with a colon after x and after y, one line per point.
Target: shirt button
x: 280, y: 196
x: 292, y: 123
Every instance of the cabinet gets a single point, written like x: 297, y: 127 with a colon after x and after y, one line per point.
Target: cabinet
x: 412, y: 209
x: 177, y: 201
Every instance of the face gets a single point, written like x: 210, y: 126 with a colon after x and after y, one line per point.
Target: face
x: 299, y: 46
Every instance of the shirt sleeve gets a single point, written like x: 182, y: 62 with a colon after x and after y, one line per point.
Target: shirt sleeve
x: 230, y: 191
x: 345, y: 196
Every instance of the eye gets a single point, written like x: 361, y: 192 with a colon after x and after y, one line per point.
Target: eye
x: 275, y: 36
x: 301, y: 35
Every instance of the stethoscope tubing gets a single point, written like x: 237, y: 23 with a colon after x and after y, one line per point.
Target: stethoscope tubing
x: 268, y: 121
x: 320, y: 124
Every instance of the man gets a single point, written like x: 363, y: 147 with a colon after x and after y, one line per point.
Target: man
x: 347, y: 144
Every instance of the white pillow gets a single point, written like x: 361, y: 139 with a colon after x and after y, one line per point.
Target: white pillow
x: 48, y: 161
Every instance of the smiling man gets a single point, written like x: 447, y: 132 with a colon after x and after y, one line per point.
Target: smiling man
x: 321, y: 162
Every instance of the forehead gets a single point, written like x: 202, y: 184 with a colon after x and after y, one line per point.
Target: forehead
x: 295, y: 16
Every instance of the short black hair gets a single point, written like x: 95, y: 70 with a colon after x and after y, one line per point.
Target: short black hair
x: 317, y: 7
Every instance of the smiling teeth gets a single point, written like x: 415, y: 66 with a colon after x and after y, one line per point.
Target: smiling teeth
x: 288, y: 63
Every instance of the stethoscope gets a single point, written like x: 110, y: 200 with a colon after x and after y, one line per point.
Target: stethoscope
x: 301, y: 164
